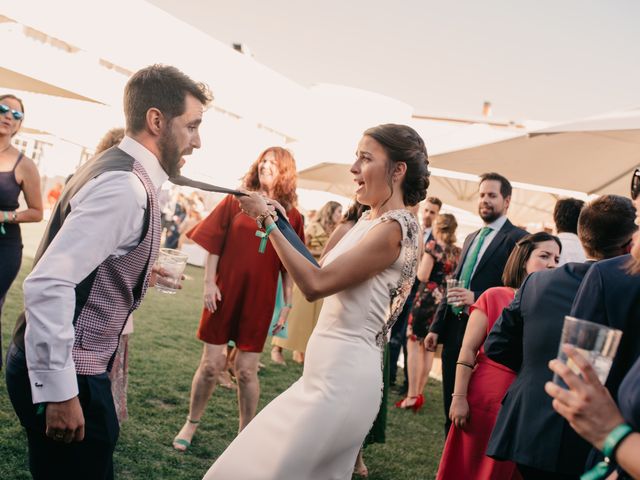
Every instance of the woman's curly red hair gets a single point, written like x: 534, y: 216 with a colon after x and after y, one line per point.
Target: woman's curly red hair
x: 284, y: 189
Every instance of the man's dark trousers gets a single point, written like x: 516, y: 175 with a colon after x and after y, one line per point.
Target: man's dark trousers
x: 48, y: 459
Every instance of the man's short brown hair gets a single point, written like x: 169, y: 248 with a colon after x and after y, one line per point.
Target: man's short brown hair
x: 435, y: 201
x: 163, y: 87
x: 606, y: 225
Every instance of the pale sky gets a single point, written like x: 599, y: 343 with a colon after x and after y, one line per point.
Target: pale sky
x: 539, y: 60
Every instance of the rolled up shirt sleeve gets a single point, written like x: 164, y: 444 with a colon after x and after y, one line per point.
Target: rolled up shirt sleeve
x: 106, y: 219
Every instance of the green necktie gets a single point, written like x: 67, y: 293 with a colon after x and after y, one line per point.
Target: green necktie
x: 470, y: 263
x: 472, y: 259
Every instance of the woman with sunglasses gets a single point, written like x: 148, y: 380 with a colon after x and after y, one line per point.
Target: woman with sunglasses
x: 17, y: 174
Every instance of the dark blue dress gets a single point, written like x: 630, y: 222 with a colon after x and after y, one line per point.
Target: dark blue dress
x: 629, y: 401
x: 10, y: 237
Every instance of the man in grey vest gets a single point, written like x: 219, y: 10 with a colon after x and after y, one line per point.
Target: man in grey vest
x: 91, y: 271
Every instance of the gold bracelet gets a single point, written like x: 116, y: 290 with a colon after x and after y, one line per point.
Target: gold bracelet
x: 458, y: 394
x: 260, y: 219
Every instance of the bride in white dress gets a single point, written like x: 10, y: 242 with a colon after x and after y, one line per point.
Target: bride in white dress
x: 314, y: 430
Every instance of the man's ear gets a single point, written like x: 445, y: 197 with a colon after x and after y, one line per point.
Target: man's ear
x: 155, y: 121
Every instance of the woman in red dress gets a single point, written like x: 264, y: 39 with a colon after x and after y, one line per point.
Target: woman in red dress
x: 240, y: 288
x: 480, y: 382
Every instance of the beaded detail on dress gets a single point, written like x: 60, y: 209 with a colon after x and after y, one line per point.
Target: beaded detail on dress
x: 399, y: 293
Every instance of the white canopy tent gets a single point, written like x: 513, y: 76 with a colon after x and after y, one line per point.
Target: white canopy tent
x: 530, y: 205
x: 595, y: 155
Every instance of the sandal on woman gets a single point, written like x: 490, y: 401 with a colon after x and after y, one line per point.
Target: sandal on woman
x: 182, y: 444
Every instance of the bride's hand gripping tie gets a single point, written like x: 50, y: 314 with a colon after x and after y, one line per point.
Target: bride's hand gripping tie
x: 257, y: 206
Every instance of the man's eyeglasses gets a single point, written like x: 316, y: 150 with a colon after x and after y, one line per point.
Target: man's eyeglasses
x: 15, y: 113
x: 635, y: 184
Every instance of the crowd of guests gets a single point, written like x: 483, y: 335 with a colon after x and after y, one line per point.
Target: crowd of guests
x: 495, y: 306
x: 180, y: 213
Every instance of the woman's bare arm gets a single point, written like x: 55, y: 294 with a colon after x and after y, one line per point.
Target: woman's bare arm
x: 29, y: 178
x: 425, y: 268
x: 375, y: 252
x: 212, y: 294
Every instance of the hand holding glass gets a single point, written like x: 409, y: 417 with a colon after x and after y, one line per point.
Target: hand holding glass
x: 453, y: 298
x: 172, y: 262
x: 596, y: 343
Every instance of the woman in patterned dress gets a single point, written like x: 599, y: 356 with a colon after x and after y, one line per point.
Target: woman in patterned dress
x: 438, y: 263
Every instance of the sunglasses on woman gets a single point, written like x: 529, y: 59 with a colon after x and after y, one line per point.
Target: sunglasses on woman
x: 635, y: 184
x: 15, y: 113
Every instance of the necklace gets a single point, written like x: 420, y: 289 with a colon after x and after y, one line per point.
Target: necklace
x: 6, y: 148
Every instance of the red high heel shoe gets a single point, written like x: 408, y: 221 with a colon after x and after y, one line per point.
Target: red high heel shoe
x: 415, y: 406
x: 399, y: 403
x: 419, y: 403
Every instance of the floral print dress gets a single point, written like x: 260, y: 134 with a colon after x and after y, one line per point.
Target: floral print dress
x: 431, y: 292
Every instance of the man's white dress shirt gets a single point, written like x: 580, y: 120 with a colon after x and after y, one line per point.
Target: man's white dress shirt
x: 106, y: 220
x: 572, y: 250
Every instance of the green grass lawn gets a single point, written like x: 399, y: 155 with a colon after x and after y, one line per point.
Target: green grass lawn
x: 164, y: 355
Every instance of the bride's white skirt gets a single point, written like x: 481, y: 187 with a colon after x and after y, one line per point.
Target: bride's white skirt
x: 313, y: 430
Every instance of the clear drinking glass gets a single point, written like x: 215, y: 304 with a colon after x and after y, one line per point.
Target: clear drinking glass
x: 173, y: 262
x: 453, y: 283
x: 597, y: 343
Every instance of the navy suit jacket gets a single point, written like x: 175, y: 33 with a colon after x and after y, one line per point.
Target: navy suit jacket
x: 525, y: 338
x: 609, y: 295
x: 488, y: 274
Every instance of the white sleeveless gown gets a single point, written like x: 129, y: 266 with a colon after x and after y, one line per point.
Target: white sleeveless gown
x: 314, y: 430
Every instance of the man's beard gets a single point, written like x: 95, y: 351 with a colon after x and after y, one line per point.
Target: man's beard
x: 490, y: 216
x: 427, y: 222
x: 169, y: 153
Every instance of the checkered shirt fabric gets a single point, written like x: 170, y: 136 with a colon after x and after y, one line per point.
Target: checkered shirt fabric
x: 118, y: 288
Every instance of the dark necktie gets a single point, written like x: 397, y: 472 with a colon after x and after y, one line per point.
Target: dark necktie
x: 282, y: 223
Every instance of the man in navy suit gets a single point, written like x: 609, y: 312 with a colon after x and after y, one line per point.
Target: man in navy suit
x: 526, y: 337
x: 484, y: 255
x: 610, y: 295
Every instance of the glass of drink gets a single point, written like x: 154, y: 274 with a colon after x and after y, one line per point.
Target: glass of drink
x: 453, y: 283
x: 597, y: 343
x: 173, y: 263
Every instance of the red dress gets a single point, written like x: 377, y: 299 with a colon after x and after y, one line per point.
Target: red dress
x: 464, y: 452
x: 246, y: 278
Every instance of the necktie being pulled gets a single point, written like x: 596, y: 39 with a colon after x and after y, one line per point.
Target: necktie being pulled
x: 282, y: 223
